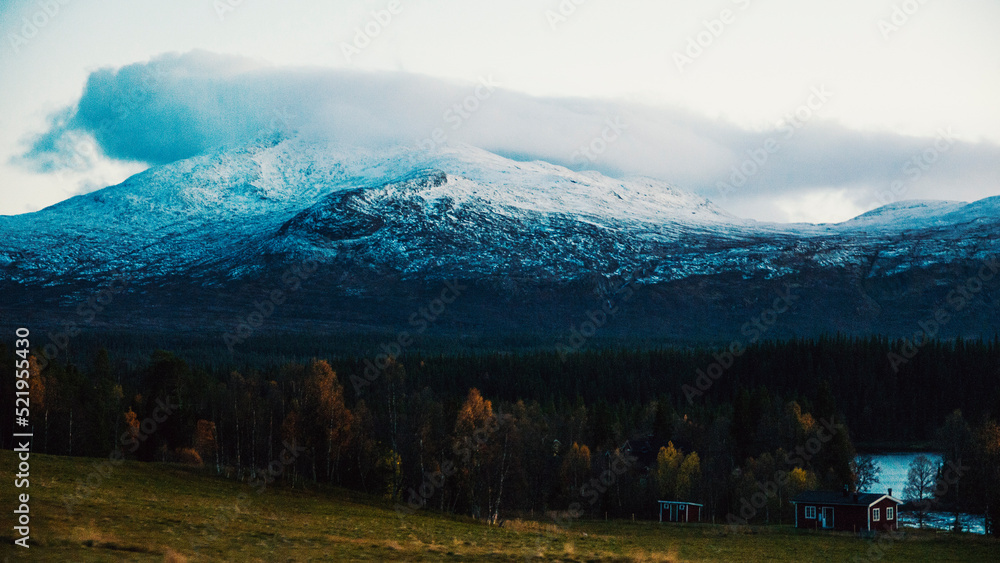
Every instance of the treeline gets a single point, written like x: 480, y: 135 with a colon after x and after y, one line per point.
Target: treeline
x: 881, y: 403
x: 495, y: 435
x: 889, y: 391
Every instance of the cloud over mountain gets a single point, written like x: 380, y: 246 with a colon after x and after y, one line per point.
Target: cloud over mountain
x: 180, y: 105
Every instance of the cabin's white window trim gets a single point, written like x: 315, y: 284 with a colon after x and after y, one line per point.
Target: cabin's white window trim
x: 810, y: 513
x: 876, y: 514
x: 888, y: 513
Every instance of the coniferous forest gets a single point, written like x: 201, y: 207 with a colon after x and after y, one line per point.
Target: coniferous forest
x: 600, y: 432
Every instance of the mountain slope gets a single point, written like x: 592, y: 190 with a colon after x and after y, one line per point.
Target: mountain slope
x: 538, y: 245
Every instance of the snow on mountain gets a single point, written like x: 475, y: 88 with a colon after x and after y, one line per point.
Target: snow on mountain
x: 909, y: 214
x: 185, y: 212
x: 203, y: 238
x: 456, y: 210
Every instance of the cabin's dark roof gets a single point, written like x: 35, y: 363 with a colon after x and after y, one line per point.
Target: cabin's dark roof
x: 834, y: 497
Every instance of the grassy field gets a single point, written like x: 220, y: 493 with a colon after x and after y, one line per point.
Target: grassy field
x: 152, y: 512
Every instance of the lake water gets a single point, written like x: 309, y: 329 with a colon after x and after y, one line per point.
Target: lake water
x: 895, y: 467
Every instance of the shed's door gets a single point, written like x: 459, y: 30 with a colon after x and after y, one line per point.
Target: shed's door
x: 826, y: 517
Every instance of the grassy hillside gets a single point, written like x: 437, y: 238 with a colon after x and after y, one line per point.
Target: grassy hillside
x: 153, y: 512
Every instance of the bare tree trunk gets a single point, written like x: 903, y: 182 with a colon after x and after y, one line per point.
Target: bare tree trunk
x: 220, y: 452
x: 336, y: 464
x: 779, y: 504
x: 270, y: 435
x: 421, y: 450
x: 958, y: 523
x: 253, y: 434
x: 495, y: 513
x: 444, y: 487
x: 218, y: 446
x: 236, y: 417
x: 397, y: 485
x: 393, y: 415
x: 361, y: 470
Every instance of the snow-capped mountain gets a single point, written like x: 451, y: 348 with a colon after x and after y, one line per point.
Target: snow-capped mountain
x: 539, y: 245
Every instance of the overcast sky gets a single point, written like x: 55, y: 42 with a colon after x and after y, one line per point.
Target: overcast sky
x: 774, y: 109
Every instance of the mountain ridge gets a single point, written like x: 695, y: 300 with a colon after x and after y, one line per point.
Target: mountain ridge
x: 386, y: 226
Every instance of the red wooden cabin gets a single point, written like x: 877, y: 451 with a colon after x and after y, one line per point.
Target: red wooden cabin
x: 849, y: 512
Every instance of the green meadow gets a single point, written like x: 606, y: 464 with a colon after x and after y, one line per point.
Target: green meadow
x: 162, y: 512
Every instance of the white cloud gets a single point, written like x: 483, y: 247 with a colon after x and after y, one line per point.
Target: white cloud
x: 178, y: 106
x: 939, y: 70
